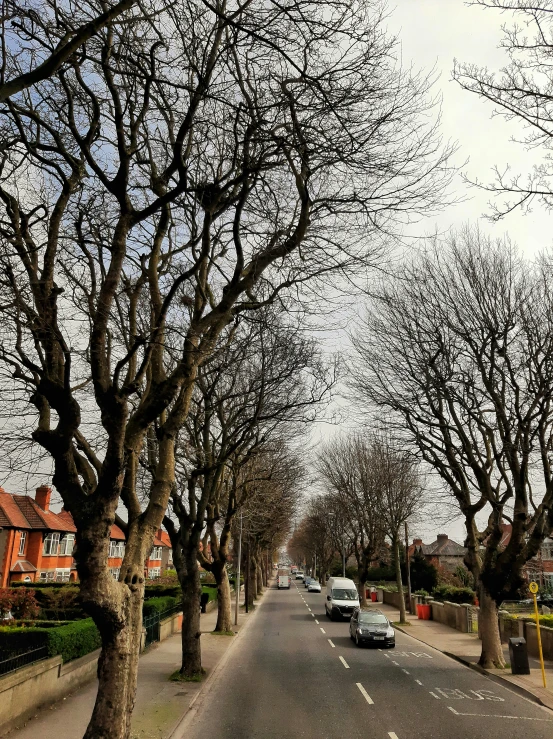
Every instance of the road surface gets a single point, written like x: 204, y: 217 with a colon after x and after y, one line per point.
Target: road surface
x: 297, y: 674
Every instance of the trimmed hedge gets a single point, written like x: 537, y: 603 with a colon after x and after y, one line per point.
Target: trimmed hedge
x: 41, y: 585
x: 545, y: 620
x: 453, y: 594
x: 211, y: 590
x: 154, y: 591
x: 375, y: 574
x: 71, y: 640
x: 159, y: 605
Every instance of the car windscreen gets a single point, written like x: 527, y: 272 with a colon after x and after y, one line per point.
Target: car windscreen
x: 372, y: 618
x: 343, y: 594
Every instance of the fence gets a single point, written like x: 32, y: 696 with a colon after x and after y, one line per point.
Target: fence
x: 152, y: 623
x: 23, y: 659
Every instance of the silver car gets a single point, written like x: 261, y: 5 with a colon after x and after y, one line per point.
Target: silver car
x: 314, y: 587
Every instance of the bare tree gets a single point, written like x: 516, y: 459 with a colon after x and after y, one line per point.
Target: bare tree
x: 458, y: 349
x: 520, y: 92
x: 153, y: 188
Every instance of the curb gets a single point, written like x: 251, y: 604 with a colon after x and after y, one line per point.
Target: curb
x: 500, y: 679
x: 178, y: 731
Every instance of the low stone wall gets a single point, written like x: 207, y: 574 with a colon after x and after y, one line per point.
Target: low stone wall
x: 546, y: 634
x: 24, y: 691
x: 393, y: 599
x: 453, y: 615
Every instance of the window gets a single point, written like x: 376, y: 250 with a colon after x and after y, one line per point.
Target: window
x: 115, y: 572
x: 47, y: 576
x: 170, y: 558
x: 51, y: 544
x: 22, y: 542
x: 27, y: 578
x: 67, y: 544
x: 154, y: 572
x: 547, y: 549
x: 156, y: 553
x: 117, y: 549
x: 62, y: 575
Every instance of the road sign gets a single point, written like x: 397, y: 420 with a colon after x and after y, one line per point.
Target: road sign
x: 533, y: 587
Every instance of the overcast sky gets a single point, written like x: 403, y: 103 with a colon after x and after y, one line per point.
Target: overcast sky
x: 433, y: 33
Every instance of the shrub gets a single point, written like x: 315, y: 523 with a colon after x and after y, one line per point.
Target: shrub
x: 421, y: 591
x: 453, y: 594
x: 211, y: 590
x: 545, y: 620
x: 374, y: 574
x: 159, y: 605
x: 73, y: 640
x: 58, y: 602
x: 18, y: 603
x: 70, y: 640
x: 162, y: 589
x: 423, y: 574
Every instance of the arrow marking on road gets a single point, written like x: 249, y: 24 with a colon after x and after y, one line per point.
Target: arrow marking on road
x: 365, y: 694
x: 324, y: 632
x: 343, y: 661
x: 331, y: 644
x: 493, y: 715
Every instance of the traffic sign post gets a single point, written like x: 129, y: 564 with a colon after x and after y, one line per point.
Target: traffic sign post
x: 533, y: 587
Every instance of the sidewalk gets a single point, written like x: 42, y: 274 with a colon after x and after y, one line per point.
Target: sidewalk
x: 466, y: 649
x: 160, y: 704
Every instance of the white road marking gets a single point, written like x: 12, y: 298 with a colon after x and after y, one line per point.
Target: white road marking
x: 365, y: 694
x: 418, y: 681
x: 331, y: 644
x: 313, y: 615
x: 309, y: 609
x: 324, y: 632
x: 395, y: 663
x: 493, y: 715
x: 406, y: 672
x: 387, y: 656
x: 392, y: 735
x: 434, y: 694
x: 316, y: 621
x: 343, y: 661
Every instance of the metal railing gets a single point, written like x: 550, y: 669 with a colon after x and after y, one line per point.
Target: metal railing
x: 151, y: 623
x: 23, y: 659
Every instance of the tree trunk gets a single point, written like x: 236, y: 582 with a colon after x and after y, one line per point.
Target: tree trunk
x: 117, y: 676
x: 402, y: 614
x: 191, y: 630
x: 488, y: 626
x: 250, y: 574
x: 362, y: 574
x: 259, y: 578
x: 224, y: 605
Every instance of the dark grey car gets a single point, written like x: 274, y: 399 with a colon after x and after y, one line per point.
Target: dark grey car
x: 371, y: 626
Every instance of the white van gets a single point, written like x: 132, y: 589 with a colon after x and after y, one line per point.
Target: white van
x: 284, y: 579
x: 341, y: 597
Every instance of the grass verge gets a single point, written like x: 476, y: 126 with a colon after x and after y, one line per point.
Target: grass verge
x: 176, y: 677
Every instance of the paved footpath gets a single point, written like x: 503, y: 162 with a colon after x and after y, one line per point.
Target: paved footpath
x: 160, y: 703
x: 466, y: 648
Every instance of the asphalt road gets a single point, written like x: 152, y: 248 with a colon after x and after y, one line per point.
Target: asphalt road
x: 297, y: 674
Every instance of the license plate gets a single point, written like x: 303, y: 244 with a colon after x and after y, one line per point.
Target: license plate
x: 379, y: 638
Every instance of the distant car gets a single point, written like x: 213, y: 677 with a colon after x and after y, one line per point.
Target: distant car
x: 299, y: 575
x: 306, y: 580
x: 314, y: 586
x: 370, y: 626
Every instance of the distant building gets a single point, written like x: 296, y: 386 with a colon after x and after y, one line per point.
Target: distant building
x: 540, y: 567
x: 37, y: 544
x: 444, y: 552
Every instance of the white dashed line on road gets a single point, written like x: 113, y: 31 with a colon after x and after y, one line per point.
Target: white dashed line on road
x: 343, y: 661
x: 313, y: 615
x: 324, y: 632
x: 316, y: 621
x: 406, y: 672
x: 365, y: 694
x: 392, y: 735
x: 395, y: 663
x: 331, y: 644
x: 434, y: 695
x: 419, y: 682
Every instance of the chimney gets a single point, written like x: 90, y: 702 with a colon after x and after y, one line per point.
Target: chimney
x: 42, y: 497
x: 417, y: 542
x: 442, y: 538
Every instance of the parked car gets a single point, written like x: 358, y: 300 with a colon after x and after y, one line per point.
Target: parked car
x: 370, y: 626
x: 314, y: 586
x: 306, y: 580
x: 299, y: 575
x: 341, y: 598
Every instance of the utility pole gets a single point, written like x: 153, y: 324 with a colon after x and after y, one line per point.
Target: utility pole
x: 237, y: 584
x: 408, y: 566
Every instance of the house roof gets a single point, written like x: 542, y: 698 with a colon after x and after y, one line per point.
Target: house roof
x: 443, y: 547
x: 23, y: 565
x: 164, y: 537
x: 22, y: 512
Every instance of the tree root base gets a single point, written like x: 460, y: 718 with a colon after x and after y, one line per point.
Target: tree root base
x: 196, y: 677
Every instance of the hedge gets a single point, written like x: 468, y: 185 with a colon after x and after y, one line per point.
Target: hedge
x: 453, y: 594
x: 159, y: 605
x: 211, y: 590
x: 71, y: 640
x: 545, y: 620
x: 153, y: 591
x: 375, y: 574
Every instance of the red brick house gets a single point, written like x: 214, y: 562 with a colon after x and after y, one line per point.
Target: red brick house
x: 37, y: 544
x: 444, y: 552
x: 540, y: 567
